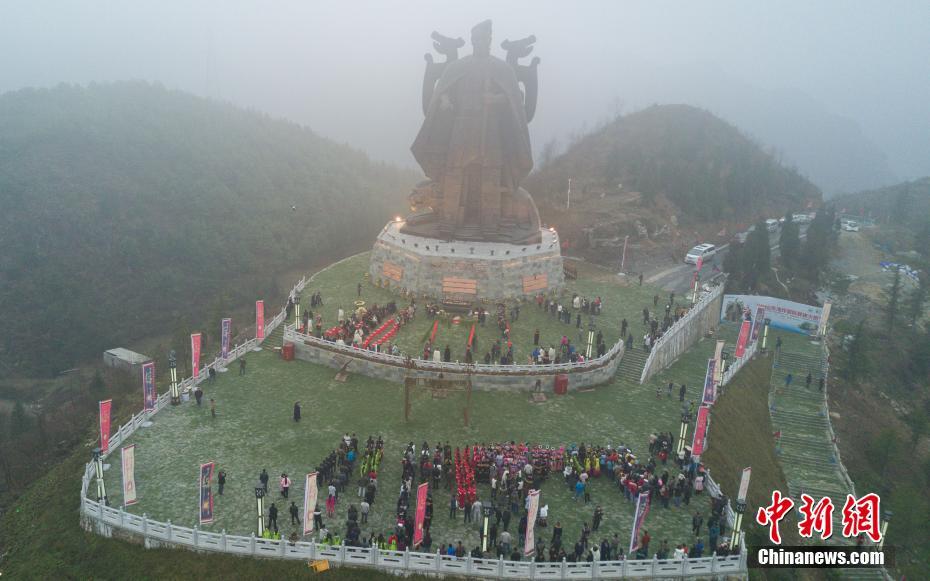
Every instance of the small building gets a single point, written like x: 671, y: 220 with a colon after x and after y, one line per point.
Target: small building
x: 125, y: 360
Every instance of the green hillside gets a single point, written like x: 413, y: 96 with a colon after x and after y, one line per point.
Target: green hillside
x: 126, y: 209
x: 702, y: 165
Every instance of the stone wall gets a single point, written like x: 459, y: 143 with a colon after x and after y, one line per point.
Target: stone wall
x: 467, y: 270
x: 483, y: 377
x: 703, y: 318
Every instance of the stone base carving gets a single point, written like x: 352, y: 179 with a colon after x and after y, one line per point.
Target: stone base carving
x: 465, y: 272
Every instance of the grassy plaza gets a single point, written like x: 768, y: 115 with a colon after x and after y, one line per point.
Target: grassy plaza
x: 254, y: 428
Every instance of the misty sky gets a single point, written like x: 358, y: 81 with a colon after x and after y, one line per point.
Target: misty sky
x: 352, y: 70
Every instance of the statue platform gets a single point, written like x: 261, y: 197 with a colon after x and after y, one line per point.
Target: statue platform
x: 464, y: 272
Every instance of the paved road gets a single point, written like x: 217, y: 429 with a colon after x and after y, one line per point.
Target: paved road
x: 677, y: 277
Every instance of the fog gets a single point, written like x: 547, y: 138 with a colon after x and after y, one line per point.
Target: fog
x: 838, y: 88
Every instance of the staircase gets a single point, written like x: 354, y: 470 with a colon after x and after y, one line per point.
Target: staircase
x: 631, y: 366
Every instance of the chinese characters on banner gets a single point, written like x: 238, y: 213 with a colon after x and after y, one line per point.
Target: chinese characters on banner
x: 149, y: 395
x: 860, y: 516
x: 128, y: 458
x: 310, y: 494
x: 105, y: 425
x: 757, y: 323
x: 642, y: 509
x: 206, y: 493
x: 422, y: 491
x: 743, y: 338
x: 195, y: 354
x: 225, y: 330
x: 700, y: 431
x: 710, y: 386
x: 530, y: 544
x: 259, y: 320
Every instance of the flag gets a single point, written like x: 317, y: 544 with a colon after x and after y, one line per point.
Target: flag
x: 149, y: 394
x: 743, y: 338
x: 710, y: 386
x: 206, y: 493
x: 225, y: 330
x: 744, y: 485
x: 105, y: 424
x: 642, y: 509
x: 259, y: 320
x: 195, y: 354
x: 128, y: 459
x: 824, y: 314
x: 530, y: 544
x: 422, y: 491
x: 700, y: 431
x: 310, y: 495
x: 718, y: 361
x: 757, y: 323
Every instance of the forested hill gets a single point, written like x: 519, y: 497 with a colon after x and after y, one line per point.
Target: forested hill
x: 126, y: 209
x: 904, y: 204
x: 680, y: 154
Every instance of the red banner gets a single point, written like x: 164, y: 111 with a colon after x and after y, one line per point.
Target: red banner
x: 422, y: 491
x: 259, y: 319
x: 195, y: 354
x: 700, y: 431
x: 743, y: 338
x: 105, y: 424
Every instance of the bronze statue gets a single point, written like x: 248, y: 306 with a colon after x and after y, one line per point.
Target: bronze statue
x: 474, y: 145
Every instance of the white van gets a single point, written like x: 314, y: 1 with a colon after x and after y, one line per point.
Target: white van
x: 699, y: 251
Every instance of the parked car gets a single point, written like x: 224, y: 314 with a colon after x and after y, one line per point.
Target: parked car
x: 704, y: 251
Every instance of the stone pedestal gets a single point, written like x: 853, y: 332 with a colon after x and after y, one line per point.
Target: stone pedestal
x: 466, y: 271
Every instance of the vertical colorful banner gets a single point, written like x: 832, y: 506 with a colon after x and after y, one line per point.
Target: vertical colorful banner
x: 149, y: 393
x: 710, y: 386
x: 757, y: 323
x: 105, y: 424
x: 744, y: 485
x: 642, y: 509
x: 700, y: 431
x: 743, y: 339
x: 259, y: 320
x: 128, y: 459
x: 422, y: 491
x: 195, y: 354
x: 225, y: 332
x: 718, y: 362
x: 824, y: 315
x: 310, y: 497
x: 206, y: 493
x: 530, y: 544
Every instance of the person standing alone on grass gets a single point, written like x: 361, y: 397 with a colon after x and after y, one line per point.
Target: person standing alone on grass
x: 294, y: 512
